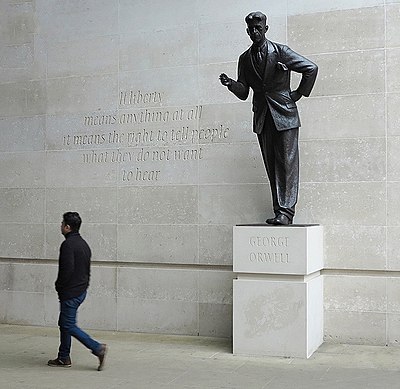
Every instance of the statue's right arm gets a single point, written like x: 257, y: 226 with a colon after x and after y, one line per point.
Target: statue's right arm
x: 240, y: 88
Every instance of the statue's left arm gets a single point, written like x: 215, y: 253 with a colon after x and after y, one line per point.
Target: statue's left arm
x: 297, y: 63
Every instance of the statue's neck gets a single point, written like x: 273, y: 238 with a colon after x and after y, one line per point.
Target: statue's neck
x: 261, y: 43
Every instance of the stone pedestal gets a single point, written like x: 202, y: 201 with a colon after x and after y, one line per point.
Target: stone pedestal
x: 278, y: 293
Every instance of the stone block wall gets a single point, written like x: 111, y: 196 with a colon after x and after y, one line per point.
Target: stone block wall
x: 114, y: 109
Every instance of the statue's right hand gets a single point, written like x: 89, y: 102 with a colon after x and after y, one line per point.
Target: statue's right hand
x: 225, y: 80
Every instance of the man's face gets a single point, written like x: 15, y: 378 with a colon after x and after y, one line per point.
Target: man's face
x: 256, y: 31
x: 65, y: 228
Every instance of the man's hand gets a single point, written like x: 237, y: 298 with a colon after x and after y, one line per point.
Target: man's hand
x: 225, y: 80
x: 295, y: 96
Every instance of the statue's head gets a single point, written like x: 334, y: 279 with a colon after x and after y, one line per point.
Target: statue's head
x: 256, y: 26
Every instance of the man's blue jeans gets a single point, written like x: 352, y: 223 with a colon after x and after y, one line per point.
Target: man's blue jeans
x: 68, y: 328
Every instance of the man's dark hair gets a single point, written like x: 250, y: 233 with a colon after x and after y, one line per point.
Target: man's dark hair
x: 73, y: 220
x: 256, y: 17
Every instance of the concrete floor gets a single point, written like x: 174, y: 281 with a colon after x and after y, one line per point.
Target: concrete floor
x: 159, y: 361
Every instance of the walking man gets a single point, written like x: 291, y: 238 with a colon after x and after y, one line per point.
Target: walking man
x: 265, y: 68
x: 71, y: 285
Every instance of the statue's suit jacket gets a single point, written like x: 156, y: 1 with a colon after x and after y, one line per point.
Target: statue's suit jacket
x: 272, y: 89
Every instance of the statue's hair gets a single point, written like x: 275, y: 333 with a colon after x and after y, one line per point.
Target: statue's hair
x: 256, y: 17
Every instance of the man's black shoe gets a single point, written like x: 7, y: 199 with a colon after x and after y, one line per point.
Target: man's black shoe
x: 102, y: 356
x: 59, y: 363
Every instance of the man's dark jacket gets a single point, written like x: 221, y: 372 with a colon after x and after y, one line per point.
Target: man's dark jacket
x: 272, y: 88
x: 73, y: 267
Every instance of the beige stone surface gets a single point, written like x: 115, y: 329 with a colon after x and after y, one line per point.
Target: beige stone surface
x: 355, y: 247
x: 350, y: 116
x: 152, y: 243
x: 343, y: 203
x: 81, y: 94
x: 393, y: 78
x: 95, y: 205
x: 225, y: 203
x: 355, y: 294
x: 393, y: 338
x: 22, y: 205
x: 22, y: 133
x: 175, y: 205
x: 170, y: 47
x: 240, y: 164
x: 393, y: 158
x: 392, y: 24
x: 141, y: 15
x: 393, y: 236
x: 353, y: 72
x: 393, y: 100
x: 315, y: 6
x: 87, y: 19
x: 343, y: 160
x: 80, y: 57
x: 355, y: 327
x: 23, y: 98
x: 168, y: 317
x: 393, y: 211
x: 215, y: 244
x: 360, y: 28
x: 22, y: 169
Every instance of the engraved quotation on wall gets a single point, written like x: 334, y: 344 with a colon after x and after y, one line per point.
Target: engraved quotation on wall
x: 144, y: 136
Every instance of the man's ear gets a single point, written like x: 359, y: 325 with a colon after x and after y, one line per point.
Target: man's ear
x: 266, y: 28
x: 248, y: 31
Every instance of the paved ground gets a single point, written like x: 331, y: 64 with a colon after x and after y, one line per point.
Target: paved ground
x: 155, y: 361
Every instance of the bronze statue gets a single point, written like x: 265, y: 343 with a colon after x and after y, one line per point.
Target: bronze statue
x: 265, y: 68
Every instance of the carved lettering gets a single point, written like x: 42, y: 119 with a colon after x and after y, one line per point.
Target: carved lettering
x: 139, y: 97
x: 269, y: 257
x: 140, y: 175
x: 95, y: 157
x: 99, y: 120
x: 181, y: 134
x: 141, y: 136
x: 144, y: 132
x: 269, y: 241
x: 188, y: 154
x: 146, y: 115
x: 210, y: 134
x: 115, y: 137
x: 92, y: 139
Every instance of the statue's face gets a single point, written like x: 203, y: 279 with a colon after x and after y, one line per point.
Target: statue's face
x: 256, y: 31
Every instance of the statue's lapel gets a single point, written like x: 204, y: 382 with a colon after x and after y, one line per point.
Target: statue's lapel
x: 271, y: 63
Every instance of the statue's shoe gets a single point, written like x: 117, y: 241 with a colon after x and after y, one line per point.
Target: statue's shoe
x: 280, y: 220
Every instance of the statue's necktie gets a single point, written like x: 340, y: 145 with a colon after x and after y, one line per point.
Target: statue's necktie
x: 259, y: 56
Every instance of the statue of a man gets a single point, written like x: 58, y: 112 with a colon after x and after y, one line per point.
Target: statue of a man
x: 265, y: 68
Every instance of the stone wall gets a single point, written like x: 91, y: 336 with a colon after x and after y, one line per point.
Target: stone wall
x: 114, y: 109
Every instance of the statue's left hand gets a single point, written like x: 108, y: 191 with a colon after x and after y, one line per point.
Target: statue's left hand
x: 295, y: 96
